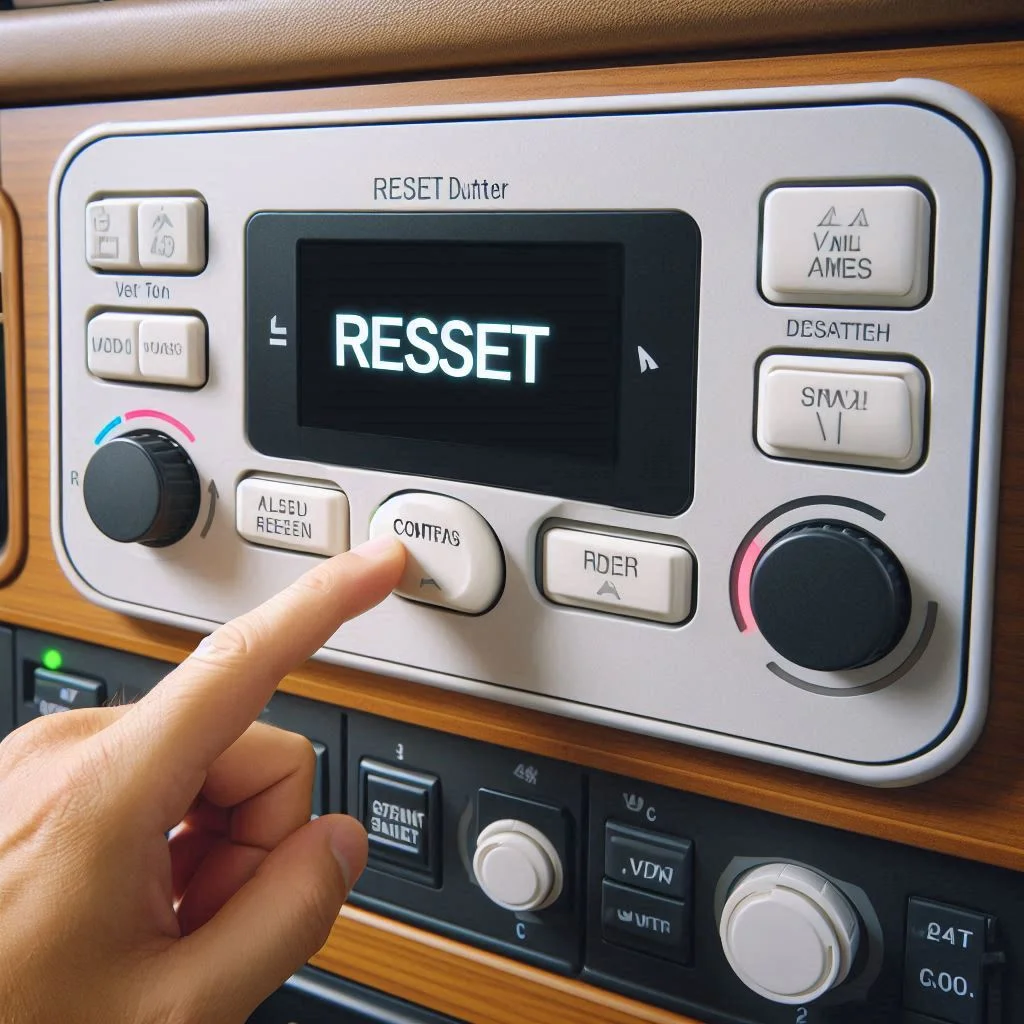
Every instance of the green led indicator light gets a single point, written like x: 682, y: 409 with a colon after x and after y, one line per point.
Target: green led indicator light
x: 52, y: 659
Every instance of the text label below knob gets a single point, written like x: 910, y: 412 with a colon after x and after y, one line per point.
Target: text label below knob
x: 517, y: 866
x: 789, y: 934
x: 830, y: 597
x: 142, y: 487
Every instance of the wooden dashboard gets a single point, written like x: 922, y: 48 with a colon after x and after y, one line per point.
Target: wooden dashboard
x: 976, y: 811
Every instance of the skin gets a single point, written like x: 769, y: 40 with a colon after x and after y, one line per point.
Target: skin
x: 102, y: 918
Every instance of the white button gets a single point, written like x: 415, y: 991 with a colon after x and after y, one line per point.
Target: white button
x: 112, y: 344
x: 172, y: 235
x: 454, y: 559
x: 848, y: 246
x: 789, y: 934
x: 110, y: 234
x: 299, y: 517
x: 620, y: 575
x: 172, y: 350
x: 517, y: 866
x: 863, y: 412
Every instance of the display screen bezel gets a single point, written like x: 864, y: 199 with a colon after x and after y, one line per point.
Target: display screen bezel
x: 653, y: 470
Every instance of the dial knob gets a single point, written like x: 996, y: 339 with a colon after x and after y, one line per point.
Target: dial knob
x: 789, y: 934
x: 517, y: 866
x: 829, y: 597
x: 142, y: 487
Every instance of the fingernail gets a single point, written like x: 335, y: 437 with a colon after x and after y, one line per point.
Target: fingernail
x: 349, y: 846
x: 204, y: 646
x: 376, y: 547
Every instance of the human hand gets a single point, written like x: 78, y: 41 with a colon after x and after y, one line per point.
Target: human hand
x: 104, y: 920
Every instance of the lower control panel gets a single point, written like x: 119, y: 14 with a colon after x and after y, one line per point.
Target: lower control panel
x: 726, y: 913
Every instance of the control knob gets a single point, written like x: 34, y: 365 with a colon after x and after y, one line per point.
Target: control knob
x: 517, y: 866
x: 789, y: 934
x: 142, y: 487
x: 829, y: 596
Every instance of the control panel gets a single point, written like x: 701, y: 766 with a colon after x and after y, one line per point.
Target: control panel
x: 726, y: 913
x: 686, y: 408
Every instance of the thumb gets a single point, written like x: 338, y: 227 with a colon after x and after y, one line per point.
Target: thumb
x: 271, y: 926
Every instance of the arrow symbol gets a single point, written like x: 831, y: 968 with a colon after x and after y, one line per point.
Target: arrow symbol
x: 426, y: 581
x: 213, y: 508
x: 274, y: 329
x: 609, y: 588
x: 646, y: 362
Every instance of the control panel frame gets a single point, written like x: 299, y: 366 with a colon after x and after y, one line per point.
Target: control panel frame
x: 966, y: 714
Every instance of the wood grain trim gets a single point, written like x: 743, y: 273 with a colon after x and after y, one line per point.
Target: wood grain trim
x: 13, y: 551
x: 976, y: 810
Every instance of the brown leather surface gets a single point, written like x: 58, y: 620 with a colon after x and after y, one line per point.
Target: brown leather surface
x: 145, y: 47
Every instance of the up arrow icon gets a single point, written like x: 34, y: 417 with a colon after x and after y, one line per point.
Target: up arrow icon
x: 646, y: 362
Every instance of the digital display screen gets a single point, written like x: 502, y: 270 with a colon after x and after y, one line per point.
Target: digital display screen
x: 513, y: 346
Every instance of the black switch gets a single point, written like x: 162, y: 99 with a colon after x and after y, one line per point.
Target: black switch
x: 320, y: 781
x: 944, y: 966
x: 648, y: 860
x: 646, y: 923
x: 401, y: 812
x: 58, y: 691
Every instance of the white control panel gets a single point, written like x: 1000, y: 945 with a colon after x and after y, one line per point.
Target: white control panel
x: 686, y: 408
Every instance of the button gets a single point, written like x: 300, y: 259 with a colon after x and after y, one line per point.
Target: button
x: 57, y: 691
x: 112, y: 344
x: 846, y: 246
x: 944, y: 970
x: 648, y: 860
x: 318, y: 804
x: 861, y: 412
x: 110, y: 234
x: 646, y: 923
x: 172, y: 350
x: 400, y: 811
x: 172, y: 235
x: 454, y: 559
x: 619, y: 575
x: 517, y: 866
x: 298, y: 517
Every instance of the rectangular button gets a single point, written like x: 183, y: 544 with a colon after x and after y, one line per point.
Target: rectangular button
x: 57, y: 691
x: 865, y: 245
x: 646, y: 923
x: 618, y: 575
x: 172, y: 234
x: 111, y: 234
x: 648, y: 860
x: 295, y: 516
x: 112, y: 346
x: 864, y: 412
x: 944, y: 969
x: 400, y: 811
x: 172, y: 350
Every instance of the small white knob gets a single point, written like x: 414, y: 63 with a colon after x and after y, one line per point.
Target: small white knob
x: 789, y: 934
x: 516, y: 866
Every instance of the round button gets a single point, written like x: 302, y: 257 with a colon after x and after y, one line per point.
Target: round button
x: 454, y: 560
x: 789, y: 934
x: 142, y: 487
x: 517, y: 866
x: 829, y: 597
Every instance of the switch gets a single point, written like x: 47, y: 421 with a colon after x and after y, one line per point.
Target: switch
x: 945, y: 960
x: 111, y: 234
x: 172, y: 350
x: 280, y: 513
x: 648, y: 860
x: 54, y: 692
x: 517, y: 866
x: 401, y: 812
x: 644, y: 922
x: 172, y: 234
x: 112, y: 346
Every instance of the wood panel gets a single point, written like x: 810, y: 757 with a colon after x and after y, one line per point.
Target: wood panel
x: 976, y: 810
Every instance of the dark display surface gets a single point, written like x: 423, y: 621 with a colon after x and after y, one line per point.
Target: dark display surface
x: 546, y: 352
x: 512, y: 345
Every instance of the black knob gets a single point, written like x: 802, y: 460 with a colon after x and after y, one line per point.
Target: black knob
x: 829, y: 597
x: 142, y: 487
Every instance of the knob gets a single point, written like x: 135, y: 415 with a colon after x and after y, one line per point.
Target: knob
x: 142, y: 487
x: 829, y: 597
x: 789, y: 934
x: 517, y: 866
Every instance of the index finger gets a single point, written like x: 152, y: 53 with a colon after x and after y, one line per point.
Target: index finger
x: 196, y: 712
